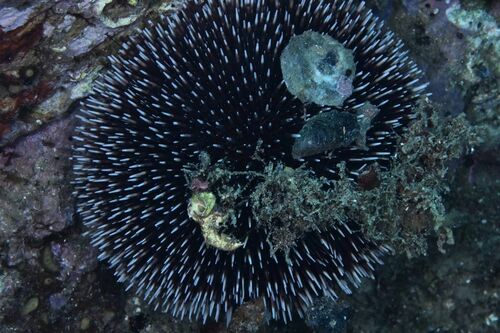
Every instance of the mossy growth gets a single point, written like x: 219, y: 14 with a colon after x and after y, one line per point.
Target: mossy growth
x: 399, y: 207
x: 290, y: 202
x: 285, y: 202
x: 408, y: 205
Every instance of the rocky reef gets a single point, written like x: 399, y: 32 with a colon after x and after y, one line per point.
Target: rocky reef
x: 439, y: 200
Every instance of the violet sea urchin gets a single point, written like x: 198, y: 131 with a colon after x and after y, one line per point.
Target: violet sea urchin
x: 208, y: 79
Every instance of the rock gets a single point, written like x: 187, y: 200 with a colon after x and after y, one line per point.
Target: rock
x: 30, y: 306
x: 75, y: 259
x: 85, y: 324
x: 34, y: 185
x: 326, y: 132
x: 48, y: 35
x: 48, y: 260
x: 12, y: 18
x: 328, y: 316
x: 247, y: 318
x: 89, y: 38
x: 10, y: 282
x: 317, y: 68
x: 57, y: 301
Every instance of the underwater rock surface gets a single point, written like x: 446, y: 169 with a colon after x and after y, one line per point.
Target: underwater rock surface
x: 49, y: 276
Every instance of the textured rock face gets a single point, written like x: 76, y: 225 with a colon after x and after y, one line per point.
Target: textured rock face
x: 45, y: 260
x: 316, y: 68
x: 51, y: 51
x: 35, y: 196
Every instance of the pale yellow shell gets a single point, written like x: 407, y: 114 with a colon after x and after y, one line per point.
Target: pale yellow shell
x: 201, y: 209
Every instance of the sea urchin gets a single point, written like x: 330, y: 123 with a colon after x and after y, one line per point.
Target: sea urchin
x: 208, y: 79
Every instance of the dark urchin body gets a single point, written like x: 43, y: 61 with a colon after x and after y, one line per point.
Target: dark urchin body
x: 208, y: 79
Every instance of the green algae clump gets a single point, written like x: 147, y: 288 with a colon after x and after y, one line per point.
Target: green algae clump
x: 400, y: 206
x: 290, y: 202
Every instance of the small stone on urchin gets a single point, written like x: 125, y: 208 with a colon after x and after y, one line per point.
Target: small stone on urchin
x: 317, y: 68
x: 326, y: 132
